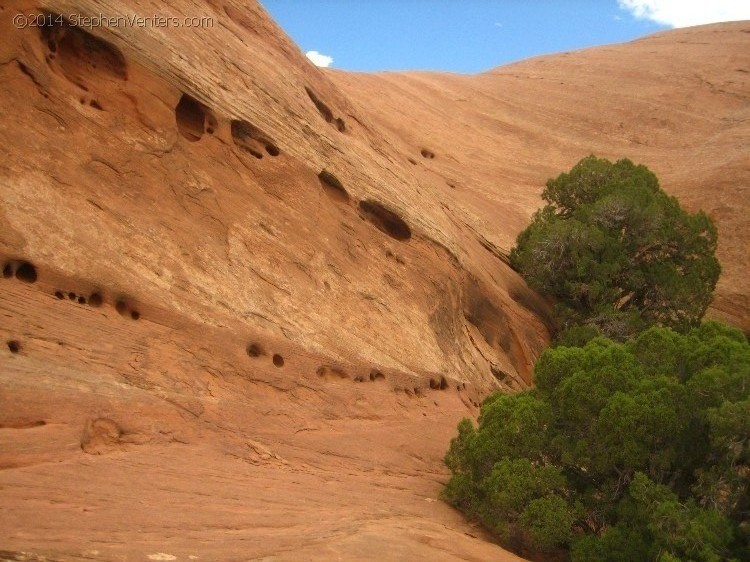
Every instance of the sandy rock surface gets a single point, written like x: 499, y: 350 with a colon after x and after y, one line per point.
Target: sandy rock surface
x: 245, y: 301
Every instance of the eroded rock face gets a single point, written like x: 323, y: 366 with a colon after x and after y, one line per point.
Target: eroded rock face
x: 240, y: 321
x: 665, y: 101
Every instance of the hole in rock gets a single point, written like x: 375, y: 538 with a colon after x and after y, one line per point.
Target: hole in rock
x: 255, y: 350
x: 191, y: 118
x: 427, y: 153
x: 72, y: 296
x: 250, y: 138
x: 95, y: 300
x: 443, y: 383
x: 135, y: 315
x: 59, y: 294
x: 26, y: 273
x: 210, y: 130
x: 121, y: 307
x: 81, y: 300
x: 322, y: 108
x: 434, y: 385
x: 326, y: 112
x: 385, y: 220
x: 278, y: 360
x: 8, y: 270
x: 332, y: 186
x: 82, y: 54
x: 95, y: 104
x: 14, y: 346
x: 412, y: 161
x: 376, y: 375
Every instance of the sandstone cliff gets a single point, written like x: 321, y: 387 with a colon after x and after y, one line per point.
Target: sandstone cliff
x: 246, y: 301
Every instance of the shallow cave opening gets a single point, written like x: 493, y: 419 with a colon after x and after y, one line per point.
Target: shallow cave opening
x: 385, y: 220
x: 191, y: 118
x: 80, y: 53
x: 255, y: 350
x: 14, y: 346
x: 72, y: 296
x: 333, y: 187
x: 8, y: 270
x: 427, y: 154
x: 278, y: 360
x: 26, y: 273
x: 96, y: 300
x: 121, y: 307
x: 60, y: 295
x: 81, y: 300
x: 135, y: 315
x: 376, y: 375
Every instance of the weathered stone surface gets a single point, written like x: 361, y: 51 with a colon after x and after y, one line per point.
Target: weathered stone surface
x: 238, y: 322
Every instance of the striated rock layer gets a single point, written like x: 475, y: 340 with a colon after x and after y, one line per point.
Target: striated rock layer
x: 245, y: 301
x: 677, y: 101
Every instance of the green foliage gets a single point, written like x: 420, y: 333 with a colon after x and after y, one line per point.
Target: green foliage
x: 618, y: 253
x: 623, y: 452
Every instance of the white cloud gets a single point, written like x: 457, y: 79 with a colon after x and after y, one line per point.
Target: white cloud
x: 319, y: 59
x: 684, y: 13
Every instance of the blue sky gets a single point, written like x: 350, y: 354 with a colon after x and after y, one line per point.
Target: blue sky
x: 474, y: 35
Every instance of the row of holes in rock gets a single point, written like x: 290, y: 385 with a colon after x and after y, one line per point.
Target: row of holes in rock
x: 334, y: 373
x: 81, y: 54
x: 96, y: 300
x: 26, y: 271
x: 375, y: 213
x: 83, y: 58
x: 14, y: 346
x: 256, y: 350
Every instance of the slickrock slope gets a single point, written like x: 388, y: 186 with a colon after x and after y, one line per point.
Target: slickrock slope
x: 237, y: 321
x: 677, y: 101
